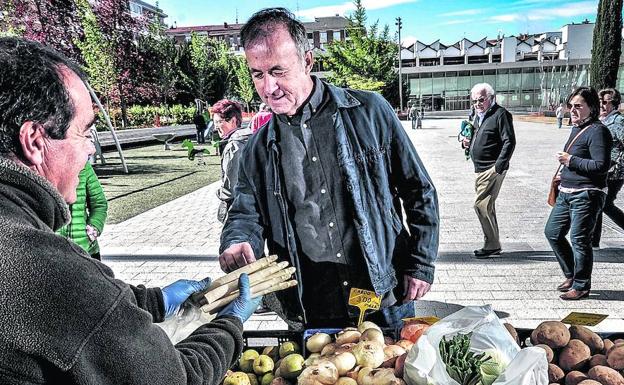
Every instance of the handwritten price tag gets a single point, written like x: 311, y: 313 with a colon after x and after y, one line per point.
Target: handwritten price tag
x: 364, y: 300
x: 585, y: 319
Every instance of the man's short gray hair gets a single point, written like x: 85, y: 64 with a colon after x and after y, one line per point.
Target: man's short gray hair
x: 489, y: 90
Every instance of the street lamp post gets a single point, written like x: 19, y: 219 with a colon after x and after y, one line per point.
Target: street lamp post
x: 399, y: 24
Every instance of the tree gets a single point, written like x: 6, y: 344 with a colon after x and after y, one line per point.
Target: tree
x: 209, y: 75
x: 606, y: 48
x: 54, y: 23
x: 96, y: 53
x: 244, y: 84
x: 366, y: 60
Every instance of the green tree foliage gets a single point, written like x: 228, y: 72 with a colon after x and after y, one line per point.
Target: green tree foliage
x: 244, y: 87
x: 96, y: 53
x: 606, y: 49
x: 366, y: 60
x: 210, y: 68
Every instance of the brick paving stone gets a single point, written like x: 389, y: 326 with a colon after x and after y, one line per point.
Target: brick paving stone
x: 179, y: 240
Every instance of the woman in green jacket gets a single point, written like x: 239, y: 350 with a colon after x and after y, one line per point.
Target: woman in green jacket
x: 88, y: 213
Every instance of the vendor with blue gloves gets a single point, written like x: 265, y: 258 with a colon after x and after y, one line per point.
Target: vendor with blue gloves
x: 64, y: 318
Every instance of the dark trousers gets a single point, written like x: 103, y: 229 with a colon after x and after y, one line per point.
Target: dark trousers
x: 575, y: 213
x: 200, y: 136
x: 617, y: 216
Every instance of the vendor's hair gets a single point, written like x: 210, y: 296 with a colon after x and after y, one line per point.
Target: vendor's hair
x: 229, y: 109
x: 32, y: 89
x: 590, y: 96
x: 263, y: 24
x: 616, y: 97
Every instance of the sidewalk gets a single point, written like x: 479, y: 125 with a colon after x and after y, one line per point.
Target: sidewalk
x: 181, y: 238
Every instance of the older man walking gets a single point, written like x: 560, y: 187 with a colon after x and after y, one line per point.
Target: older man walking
x: 491, y: 147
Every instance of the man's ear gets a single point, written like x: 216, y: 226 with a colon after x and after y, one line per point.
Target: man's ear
x: 308, y: 61
x: 32, y: 140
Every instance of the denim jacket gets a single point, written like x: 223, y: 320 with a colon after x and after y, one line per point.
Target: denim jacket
x: 380, y: 169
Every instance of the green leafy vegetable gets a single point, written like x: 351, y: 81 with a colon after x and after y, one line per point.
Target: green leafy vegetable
x: 462, y: 365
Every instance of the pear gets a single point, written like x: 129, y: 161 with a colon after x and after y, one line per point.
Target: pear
x: 246, y: 361
x: 291, y: 366
x: 263, y: 364
x: 237, y: 378
x: 288, y: 347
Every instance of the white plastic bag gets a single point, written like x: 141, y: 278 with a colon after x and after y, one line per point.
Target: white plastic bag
x: 424, y: 366
x: 184, y: 323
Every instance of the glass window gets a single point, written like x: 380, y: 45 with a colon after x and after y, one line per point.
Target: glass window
x: 426, y: 87
x: 414, y: 87
x: 491, y: 80
x: 528, y: 81
x: 515, y: 79
x: 336, y: 35
x: 463, y: 83
x: 323, y: 37
x: 502, y: 80
x: 136, y: 9
x: 438, y: 83
x: 450, y: 83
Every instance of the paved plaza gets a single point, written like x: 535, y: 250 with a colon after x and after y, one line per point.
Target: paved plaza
x: 180, y: 239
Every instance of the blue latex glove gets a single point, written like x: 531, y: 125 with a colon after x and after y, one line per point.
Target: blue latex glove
x: 178, y: 292
x: 243, y: 306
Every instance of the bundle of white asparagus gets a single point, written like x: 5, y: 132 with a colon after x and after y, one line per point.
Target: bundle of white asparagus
x: 265, y: 276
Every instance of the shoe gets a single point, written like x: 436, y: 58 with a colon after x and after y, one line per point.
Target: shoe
x: 566, y: 285
x: 573, y: 295
x: 484, y: 253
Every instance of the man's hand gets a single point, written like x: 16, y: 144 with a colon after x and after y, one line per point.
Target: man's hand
x: 414, y: 288
x: 465, y: 143
x: 92, y: 233
x: 236, y: 256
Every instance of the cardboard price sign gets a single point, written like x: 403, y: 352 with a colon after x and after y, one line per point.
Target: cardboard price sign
x: 584, y: 319
x: 364, y: 300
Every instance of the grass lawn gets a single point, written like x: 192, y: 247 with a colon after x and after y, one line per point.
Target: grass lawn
x: 155, y: 177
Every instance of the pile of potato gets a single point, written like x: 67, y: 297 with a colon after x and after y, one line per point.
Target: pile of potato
x: 578, y: 356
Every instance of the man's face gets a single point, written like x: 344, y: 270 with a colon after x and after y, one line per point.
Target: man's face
x: 281, y: 78
x: 225, y: 127
x: 481, y: 101
x: 63, y: 159
x: 606, y: 105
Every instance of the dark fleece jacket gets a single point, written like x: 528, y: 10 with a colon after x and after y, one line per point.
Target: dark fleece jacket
x: 494, y: 140
x: 65, y: 319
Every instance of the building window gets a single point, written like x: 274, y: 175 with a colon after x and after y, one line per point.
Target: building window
x: 336, y: 36
x: 323, y: 37
x: 136, y: 9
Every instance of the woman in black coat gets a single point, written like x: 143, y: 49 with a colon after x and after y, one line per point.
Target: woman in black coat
x: 584, y: 166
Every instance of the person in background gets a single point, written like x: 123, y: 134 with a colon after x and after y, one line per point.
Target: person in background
x: 412, y: 114
x: 491, y: 147
x: 325, y: 184
x: 200, y: 126
x: 261, y: 118
x: 560, y: 113
x: 611, y: 117
x: 64, y: 317
x: 228, y: 118
x: 88, y: 213
x: 585, y: 163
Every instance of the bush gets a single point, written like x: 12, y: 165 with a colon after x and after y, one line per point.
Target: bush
x: 145, y: 116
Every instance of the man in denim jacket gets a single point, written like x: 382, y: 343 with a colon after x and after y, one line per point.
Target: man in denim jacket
x: 324, y: 183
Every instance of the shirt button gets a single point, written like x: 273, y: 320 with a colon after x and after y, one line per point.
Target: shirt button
x: 338, y: 255
x: 323, y: 191
x: 314, y: 159
x: 331, y: 224
x: 345, y: 283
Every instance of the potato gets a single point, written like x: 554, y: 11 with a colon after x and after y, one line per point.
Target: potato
x: 513, y: 332
x: 598, y: 359
x: 574, y: 377
x: 591, y: 339
x: 589, y: 382
x: 555, y: 374
x: 574, y: 356
x: 549, y: 352
x: 615, y: 357
x: 605, y: 375
x: 552, y: 333
x: 608, y: 344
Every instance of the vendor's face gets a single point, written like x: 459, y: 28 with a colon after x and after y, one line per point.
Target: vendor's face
x: 606, y: 105
x: 63, y: 159
x: 579, y: 110
x: 224, y: 126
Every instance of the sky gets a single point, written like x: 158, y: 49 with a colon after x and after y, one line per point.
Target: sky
x: 425, y: 20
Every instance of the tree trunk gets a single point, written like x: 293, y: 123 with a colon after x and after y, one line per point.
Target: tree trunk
x: 606, y: 48
x: 124, y: 107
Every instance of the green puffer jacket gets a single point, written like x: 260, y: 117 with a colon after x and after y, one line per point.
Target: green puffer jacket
x: 89, y: 209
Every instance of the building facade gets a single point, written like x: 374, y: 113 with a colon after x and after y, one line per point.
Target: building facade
x: 528, y: 72
x: 320, y: 32
x: 141, y: 8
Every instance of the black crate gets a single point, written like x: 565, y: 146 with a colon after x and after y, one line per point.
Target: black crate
x: 258, y: 339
